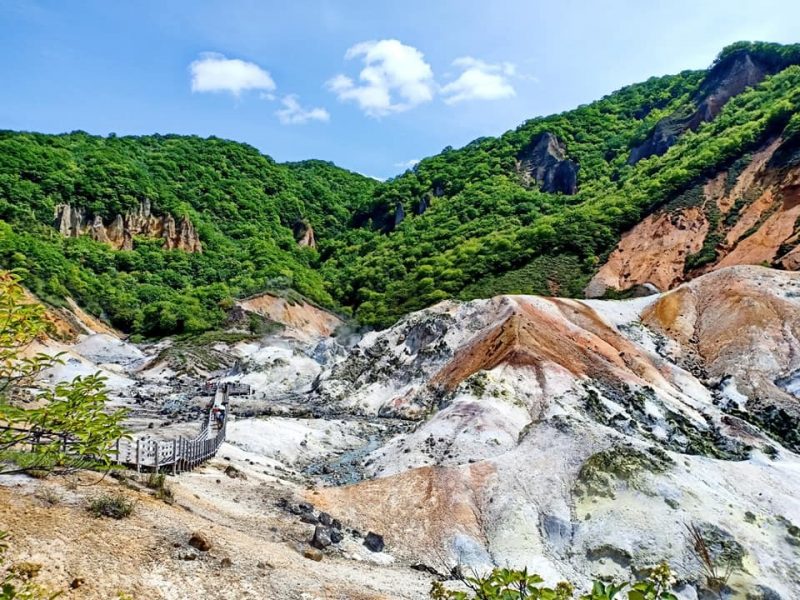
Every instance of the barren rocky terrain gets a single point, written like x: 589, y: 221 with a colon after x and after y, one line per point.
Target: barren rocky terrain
x: 577, y: 438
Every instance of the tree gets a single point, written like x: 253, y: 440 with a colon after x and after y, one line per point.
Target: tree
x: 50, y: 430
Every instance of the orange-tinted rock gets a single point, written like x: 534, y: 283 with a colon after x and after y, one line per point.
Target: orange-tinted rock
x: 653, y: 252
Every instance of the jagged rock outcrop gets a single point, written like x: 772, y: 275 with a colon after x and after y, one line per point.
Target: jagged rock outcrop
x: 399, y: 214
x: 422, y: 205
x: 725, y: 80
x: 73, y: 222
x: 543, y: 162
x: 304, y: 234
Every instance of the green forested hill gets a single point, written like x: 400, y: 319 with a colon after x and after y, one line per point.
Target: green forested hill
x: 242, y: 203
x: 488, y: 234
x: 464, y: 223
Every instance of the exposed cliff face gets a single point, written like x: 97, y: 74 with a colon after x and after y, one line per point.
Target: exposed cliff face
x: 747, y: 215
x: 727, y: 79
x: 119, y: 234
x: 543, y: 162
x: 304, y: 234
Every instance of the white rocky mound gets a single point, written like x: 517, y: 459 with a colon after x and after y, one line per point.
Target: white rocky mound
x: 580, y: 438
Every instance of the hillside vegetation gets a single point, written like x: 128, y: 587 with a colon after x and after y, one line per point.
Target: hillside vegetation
x: 242, y: 203
x: 465, y: 223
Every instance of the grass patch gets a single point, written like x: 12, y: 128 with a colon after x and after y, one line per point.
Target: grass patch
x: 114, y: 506
x: 158, y: 483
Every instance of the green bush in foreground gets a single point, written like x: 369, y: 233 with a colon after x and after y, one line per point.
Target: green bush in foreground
x: 509, y: 584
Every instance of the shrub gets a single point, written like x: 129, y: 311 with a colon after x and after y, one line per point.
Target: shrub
x: 114, y: 506
x: 158, y: 483
x: 509, y: 584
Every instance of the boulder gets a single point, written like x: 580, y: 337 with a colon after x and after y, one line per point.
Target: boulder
x: 322, y: 537
x: 200, y: 541
x: 312, y: 554
x: 374, y: 542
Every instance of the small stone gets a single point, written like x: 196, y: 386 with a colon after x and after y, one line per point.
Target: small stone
x: 225, y: 563
x: 312, y: 554
x: 200, y: 541
x: 234, y: 473
x: 336, y: 524
x: 325, y: 519
x: 336, y: 536
x: 374, y: 542
x: 76, y: 583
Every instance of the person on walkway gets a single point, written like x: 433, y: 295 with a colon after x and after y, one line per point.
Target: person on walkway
x: 220, y: 416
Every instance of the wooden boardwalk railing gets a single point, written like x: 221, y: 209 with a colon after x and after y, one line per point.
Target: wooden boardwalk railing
x: 150, y: 454
x: 179, y: 454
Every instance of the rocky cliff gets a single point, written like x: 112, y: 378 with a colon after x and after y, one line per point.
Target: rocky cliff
x: 746, y: 214
x: 543, y: 163
x: 119, y: 233
x: 726, y: 79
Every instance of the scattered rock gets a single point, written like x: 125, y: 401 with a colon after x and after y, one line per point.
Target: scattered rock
x: 374, y: 542
x: 322, y: 537
x: 200, y: 541
x: 309, y: 518
x: 336, y: 536
x: 312, y: 554
x: 325, y: 519
x: 76, y: 583
x: 226, y: 563
x: 234, y: 473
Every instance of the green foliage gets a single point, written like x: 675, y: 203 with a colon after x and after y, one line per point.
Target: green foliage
x: 114, y: 506
x: 242, y: 203
x: 67, y: 421
x: 509, y: 584
x: 483, y: 232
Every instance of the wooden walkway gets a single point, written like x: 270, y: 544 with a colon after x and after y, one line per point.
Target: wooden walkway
x: 145, y: 453
x: 180, y: 454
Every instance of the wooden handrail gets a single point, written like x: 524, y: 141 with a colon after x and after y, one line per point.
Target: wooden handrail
x: 144, y: 452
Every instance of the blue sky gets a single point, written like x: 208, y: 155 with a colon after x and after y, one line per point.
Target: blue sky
x: 368, y: 85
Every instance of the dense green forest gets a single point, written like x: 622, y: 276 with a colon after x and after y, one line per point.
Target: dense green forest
x: 242, y: 203
x: 471, y: 225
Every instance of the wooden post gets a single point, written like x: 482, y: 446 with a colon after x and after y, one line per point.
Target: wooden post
x: 174, y: 457
x: 138, y: 455
x: 157, y: 457
x: 119, y: 462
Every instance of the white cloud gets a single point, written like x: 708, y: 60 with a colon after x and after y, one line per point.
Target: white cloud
x: 407, y: 164
x: 213, y: 72
x: 480, y: 80
x: 294, y: 114
x: 395, y: 78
